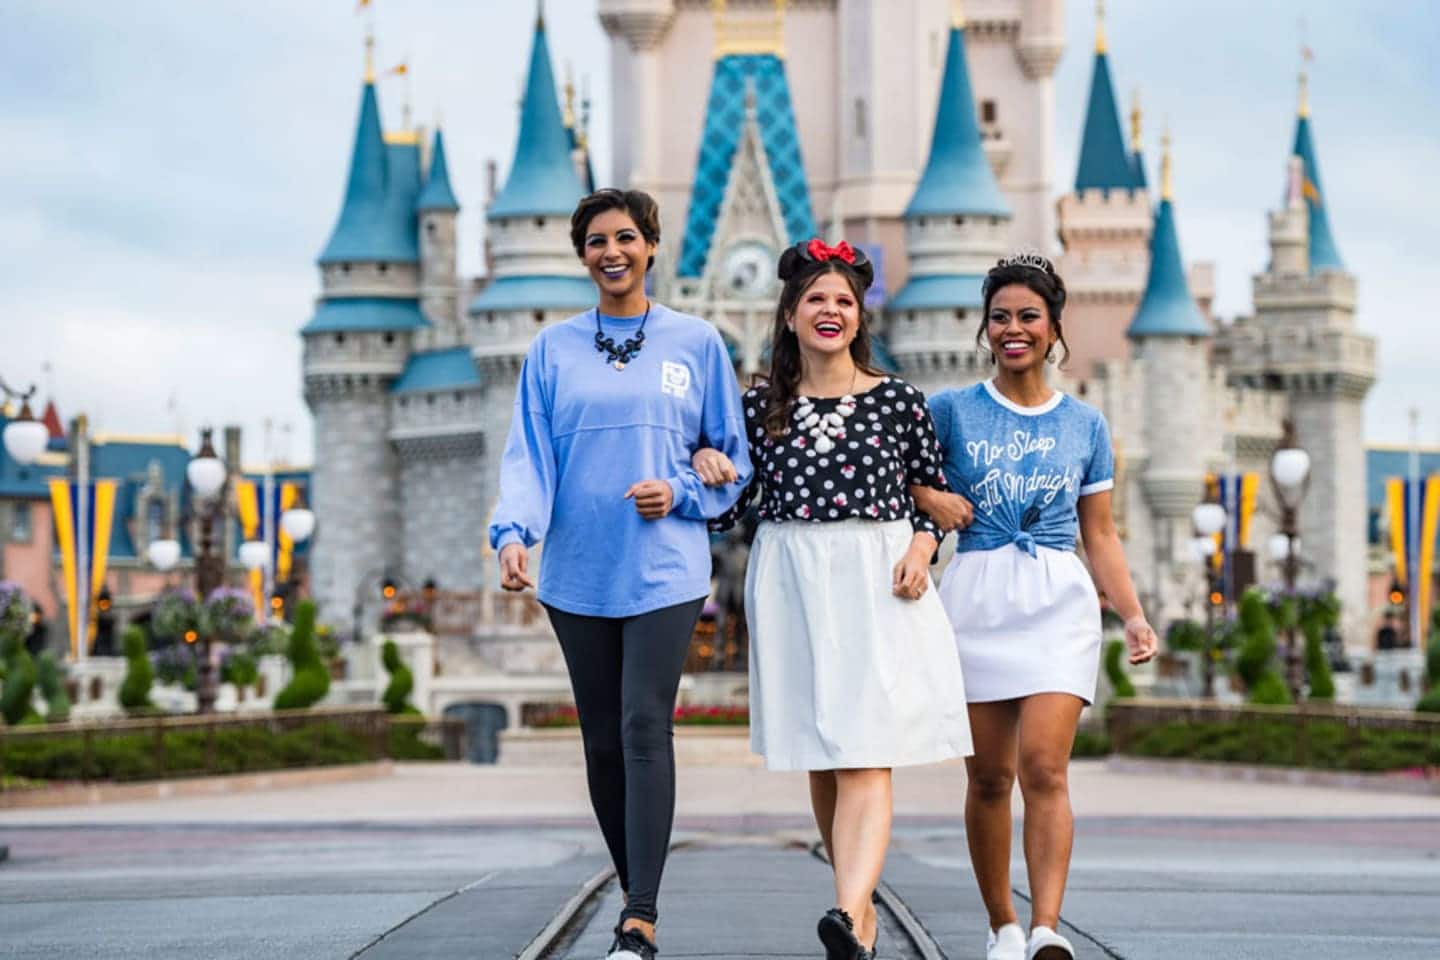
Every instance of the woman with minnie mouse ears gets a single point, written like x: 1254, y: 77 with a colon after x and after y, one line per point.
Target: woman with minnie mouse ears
x: 853, y: 669
x: 1037, y: 469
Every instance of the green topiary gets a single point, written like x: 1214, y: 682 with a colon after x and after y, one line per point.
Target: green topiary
x: 1120, y: 684
x: 1270, y: 689
x: 402, y: 681
x: 50, y: 677
x: 19, y: 683
x: 1316, y: 615
x: 135, y: 690
x: 1432, y: 649
x: 1430, y: 703
x: 1257, y: 638
x: 311, y: 681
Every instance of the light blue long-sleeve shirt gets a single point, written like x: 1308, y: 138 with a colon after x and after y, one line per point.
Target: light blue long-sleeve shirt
x: 583, y: 432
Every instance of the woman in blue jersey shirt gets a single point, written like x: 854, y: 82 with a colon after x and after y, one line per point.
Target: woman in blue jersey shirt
x: 610, y: 406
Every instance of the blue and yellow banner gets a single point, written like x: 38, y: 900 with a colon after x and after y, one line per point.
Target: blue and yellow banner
x: 1237, y: 493
x: 1413, y: 538
x: 253, y: 515
x: 83, y: 572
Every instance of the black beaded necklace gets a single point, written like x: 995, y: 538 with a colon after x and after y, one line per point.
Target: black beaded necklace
x: 617, y: 357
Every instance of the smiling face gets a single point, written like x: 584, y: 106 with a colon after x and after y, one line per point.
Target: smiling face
x: 1018, y: 328
x: 616, y: 253
x: 827, y: 316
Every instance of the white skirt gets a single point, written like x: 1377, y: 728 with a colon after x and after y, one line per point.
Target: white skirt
x: 843, y: 673
x: 1023, y: 624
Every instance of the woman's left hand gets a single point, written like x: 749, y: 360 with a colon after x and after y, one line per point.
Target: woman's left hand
x: 653, y: 498
x: 912, y: 573
x: 1140, y: 639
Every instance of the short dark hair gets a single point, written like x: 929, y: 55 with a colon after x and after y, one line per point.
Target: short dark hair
x: 1039, y: 277
x: 640, y: 206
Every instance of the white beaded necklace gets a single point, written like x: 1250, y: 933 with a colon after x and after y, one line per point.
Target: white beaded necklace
x: 826, y: 428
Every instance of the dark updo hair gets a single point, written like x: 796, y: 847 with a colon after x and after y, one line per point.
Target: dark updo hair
x: 799, y: 268
x: 1036, y: 274
x: 640, y: 206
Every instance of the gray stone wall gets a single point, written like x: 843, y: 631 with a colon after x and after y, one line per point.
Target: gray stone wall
x: 1333, y: 542
x: 443, y: 510
x: 355, y: 494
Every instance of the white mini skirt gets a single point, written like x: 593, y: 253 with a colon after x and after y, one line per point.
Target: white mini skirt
x: 1023, y: 624
x: 844, y: 674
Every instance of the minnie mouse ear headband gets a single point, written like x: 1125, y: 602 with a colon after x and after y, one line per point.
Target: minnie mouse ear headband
x: 808, y: 255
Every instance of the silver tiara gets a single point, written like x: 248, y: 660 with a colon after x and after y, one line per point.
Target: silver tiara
x: 1027, y: 258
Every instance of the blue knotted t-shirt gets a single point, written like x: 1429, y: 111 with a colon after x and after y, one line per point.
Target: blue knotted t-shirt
x: 1024, y: 468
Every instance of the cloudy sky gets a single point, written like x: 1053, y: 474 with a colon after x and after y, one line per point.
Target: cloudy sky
x: 171, y: 170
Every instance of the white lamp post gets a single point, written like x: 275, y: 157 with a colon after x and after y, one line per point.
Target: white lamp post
x: 164, y: 554
x: 298, y: 523
x: 1290, y: 472
x: 255, y: 554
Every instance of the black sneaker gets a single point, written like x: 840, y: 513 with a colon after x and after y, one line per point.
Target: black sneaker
x: 837, y: 931
x: 631, y: 945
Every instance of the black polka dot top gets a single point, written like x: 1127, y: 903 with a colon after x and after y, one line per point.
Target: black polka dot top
x: 843, y: 458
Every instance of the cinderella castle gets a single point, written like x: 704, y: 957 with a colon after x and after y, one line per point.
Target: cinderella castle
x: 924, y: 132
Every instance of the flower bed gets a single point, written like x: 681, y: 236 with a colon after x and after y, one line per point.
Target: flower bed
x: 550, y: 716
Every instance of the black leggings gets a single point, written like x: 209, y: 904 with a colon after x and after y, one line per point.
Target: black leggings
x: 625, y: 673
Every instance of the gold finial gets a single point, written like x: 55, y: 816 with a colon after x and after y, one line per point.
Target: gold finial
x: 539, y: 14
x: 1306, y: 55
x: 370, y: 54
x: 957, y: 14
x: 1135, y: 141
x: 567, y: 112
x: 1100, y: 46
x: 1167, y: 186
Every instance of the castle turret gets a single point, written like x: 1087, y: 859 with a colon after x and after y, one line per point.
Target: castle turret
x: 1303, y: 343
x: 956, y: 227
x: 536, y: 278
x: 1104, y: 227
x: 438, y: 211
x: 1171, y: 341
x: 355, y: 345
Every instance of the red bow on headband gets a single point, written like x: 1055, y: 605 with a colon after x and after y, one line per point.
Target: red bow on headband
x: 819, y: 251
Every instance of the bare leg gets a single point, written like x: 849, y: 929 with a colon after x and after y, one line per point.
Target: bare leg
x: 859, y: 838
x: 1047, y: 731
x: 994, y: 728
x: 822, y: 802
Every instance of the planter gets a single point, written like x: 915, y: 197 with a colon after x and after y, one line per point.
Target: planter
x: 702, y: 746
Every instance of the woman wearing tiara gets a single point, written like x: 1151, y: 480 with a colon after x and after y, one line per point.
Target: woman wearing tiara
x: 598, y: 466
x: 853, y: 670
x: 1037, y: 467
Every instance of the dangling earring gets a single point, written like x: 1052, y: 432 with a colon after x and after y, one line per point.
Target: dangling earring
x: 1050, y: 354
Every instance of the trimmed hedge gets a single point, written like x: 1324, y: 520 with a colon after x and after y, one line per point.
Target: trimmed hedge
x: 1120, y: 685
x: 1328, y: 744
x: 311, y: 680
x: 135, y: 756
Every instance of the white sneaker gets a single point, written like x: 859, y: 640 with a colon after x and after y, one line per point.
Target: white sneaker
x: 1007, y: 943
x: 1046, y: 944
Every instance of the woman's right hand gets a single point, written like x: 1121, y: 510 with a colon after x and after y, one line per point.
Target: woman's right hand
x: 714, y: 467
x: 514, y: 565
x: 950, y: 511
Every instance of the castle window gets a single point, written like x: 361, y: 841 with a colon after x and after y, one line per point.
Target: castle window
x: 459, y: 397
x: 959, y: 221
x: 430, y: 227
x: 339, y: 339
x: 344, y: 268
x: 383, y: 268
x: 539, y: 316
x: 860, y: 117
x: 540, y: 222
x: 389, y: 338
x: 988, y: 113
x: 430, y: 399
x: 960, y: 315
x: 404, y: 402
x: 21, y: 524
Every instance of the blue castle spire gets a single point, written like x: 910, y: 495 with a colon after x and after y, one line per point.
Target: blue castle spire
x: 1324, y: 255
x: 1167, y: 309
x: 1105, y: 163
x: 436, y: 194
x: 957, y: 178
x: 542, y: 179
x: 360, y: 232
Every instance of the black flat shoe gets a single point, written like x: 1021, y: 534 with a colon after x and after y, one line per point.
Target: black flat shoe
x: 837, y: 932
x: 631, y: 945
